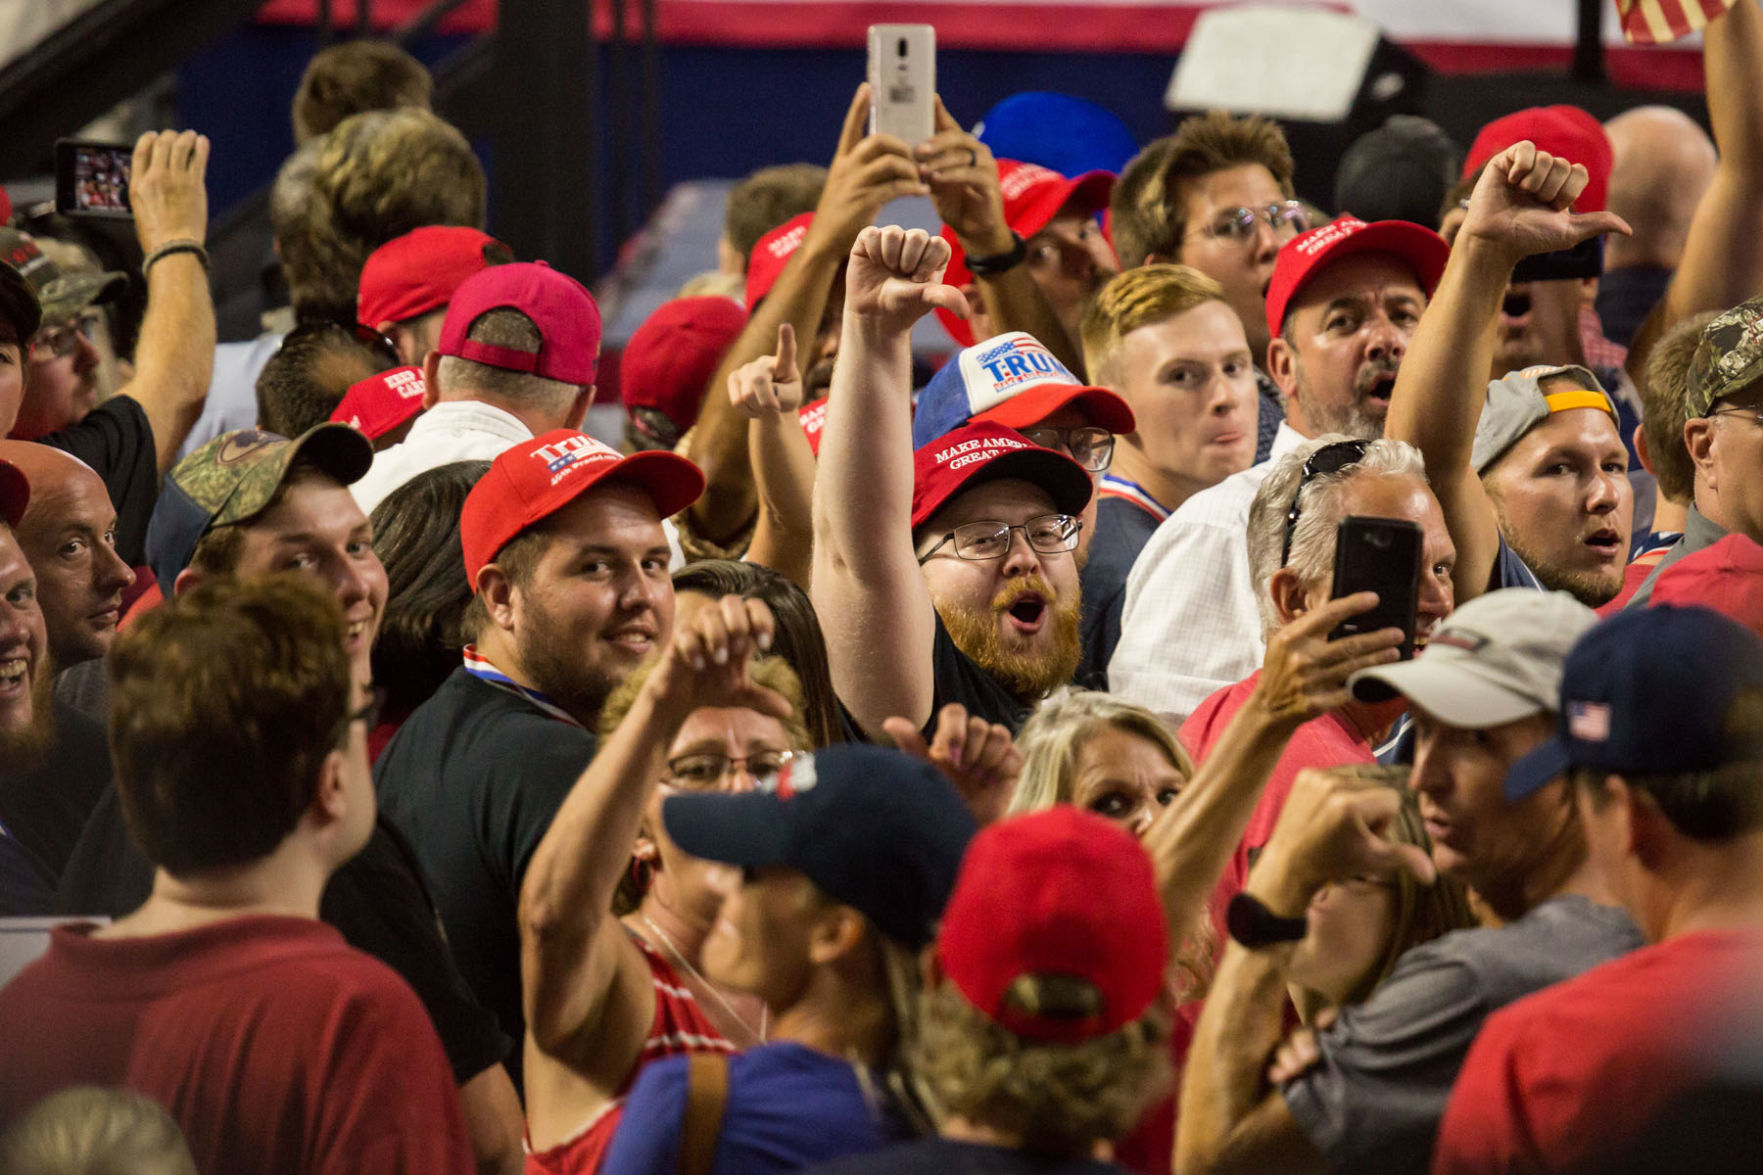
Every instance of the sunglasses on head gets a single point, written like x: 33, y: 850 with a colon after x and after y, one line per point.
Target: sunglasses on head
x: 1329, y: 459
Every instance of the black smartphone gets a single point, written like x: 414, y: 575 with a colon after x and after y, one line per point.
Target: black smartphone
x: 1379, y: 555
x: 92, y: 179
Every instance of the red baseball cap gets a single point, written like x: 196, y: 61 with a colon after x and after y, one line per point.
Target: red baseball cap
x: 982, y: 452
x: 537, y: 478
x: 1060, y: 892
x: 561, y: 307
x: 1033, y: 196
x: 813, y: 418
x: 1566, y: 132
x: 670, y: 359
x: 380, y: 403
x: 1304, y: 256
x: 1727, y: 577
x: 15, y: 493
x: 418, y: 272
x: 772, y: 253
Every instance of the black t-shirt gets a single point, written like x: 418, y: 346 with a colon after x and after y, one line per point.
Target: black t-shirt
x: 46, y: 808
x: 116, y: 441
x: 943, y: 1156
x: 958, y: 679
x: 26, y: 890
x: 473, y: 779
x: 1122, y: 530
x: 377, y: 901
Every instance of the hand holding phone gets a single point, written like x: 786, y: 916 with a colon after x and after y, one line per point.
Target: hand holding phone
x: 903, y: 81
x: 1381, y: 555
x: 92, y: 179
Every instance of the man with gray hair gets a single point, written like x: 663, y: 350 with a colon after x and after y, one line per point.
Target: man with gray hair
x: 1292, y: 526
x: 517, y: 357
x: 1367, y: 1091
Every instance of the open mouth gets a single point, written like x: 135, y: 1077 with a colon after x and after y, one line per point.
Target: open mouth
x: 1606, y: 542
x: 1380, y: 389
x: 1515, y: 306
x: 356, y: 631
x: 1028, y: 613
x: 13, y: 673
x: 634, y: 639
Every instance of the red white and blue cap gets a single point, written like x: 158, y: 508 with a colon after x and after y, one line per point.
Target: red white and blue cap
x: 1013, y: 380
x: 872, y: 827
x: 537, y: 478
x: 1647, y: 692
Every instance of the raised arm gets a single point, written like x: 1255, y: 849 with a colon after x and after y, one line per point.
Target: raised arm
x: 768, y: 391
x: 174, y: 357
x: 1305, y: 676
x: 1518, y: 208
x: 587, y: 992
x: 1722, y: 262
x: 866, y: 172
x: 867, y: 588
x: 963, y: 179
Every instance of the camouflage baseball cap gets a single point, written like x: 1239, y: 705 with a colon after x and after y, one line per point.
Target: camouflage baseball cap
x: 61, y: 295
x: 233, y: 478
x: 1728, y: 359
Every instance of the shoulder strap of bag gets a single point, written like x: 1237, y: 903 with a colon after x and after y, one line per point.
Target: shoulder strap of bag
x: 706, y: 1098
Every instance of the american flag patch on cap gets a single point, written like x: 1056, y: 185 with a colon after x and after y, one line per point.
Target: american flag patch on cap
x: 1589, y: 722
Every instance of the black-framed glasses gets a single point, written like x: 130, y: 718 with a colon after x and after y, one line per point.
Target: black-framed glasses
x: 1238, y: 225
x: 1331, y: 458
x: 978, y: 541
x: 369, y: 714
x: 1752, y: 412
x: 1089, y: 446
x: 384, y: 348
x: 705, y: 770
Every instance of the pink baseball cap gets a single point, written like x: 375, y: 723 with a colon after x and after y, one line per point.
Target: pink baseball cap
x: 382, y: 402
x: 772, y: 253
x: 561, y: 307
x: 1033, y: 196
x: 1308, y: 254
x: 537, y: 478
x: 419, y: 271
x: 982, y: 452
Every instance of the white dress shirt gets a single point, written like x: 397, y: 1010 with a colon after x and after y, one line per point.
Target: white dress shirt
x: 1190, y: 625
x: 453, y: 430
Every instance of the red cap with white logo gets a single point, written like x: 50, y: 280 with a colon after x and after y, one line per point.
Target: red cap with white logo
x: 1308, y: 254
x: 983, y: 451
x: 537, y: 478
x: 382, y: 402
x: 774, y: 250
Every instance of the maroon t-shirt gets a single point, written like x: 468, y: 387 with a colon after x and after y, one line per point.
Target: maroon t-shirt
x: 274, y: 1045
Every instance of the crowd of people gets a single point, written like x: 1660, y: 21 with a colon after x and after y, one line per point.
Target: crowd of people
x: 842, y: 766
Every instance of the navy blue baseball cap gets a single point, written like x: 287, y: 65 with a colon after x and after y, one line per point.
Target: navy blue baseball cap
x: 873, y: 827
x: 1646, y: 692
x: 1071, y: 135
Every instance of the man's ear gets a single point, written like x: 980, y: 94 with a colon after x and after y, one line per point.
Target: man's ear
x: 1640, y: 448
x: 1282, y: 369
x: 497, y: 591
x: 1698, y: 438
x: 186, y: 580
x: 330, y: 799
x: 1290, y: 597
x: 431, y: 395
x: 836, y: 933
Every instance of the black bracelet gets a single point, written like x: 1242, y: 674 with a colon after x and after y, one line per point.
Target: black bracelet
x: 181, y: 245
x: 1000, y: 262
x: 1255, y: 926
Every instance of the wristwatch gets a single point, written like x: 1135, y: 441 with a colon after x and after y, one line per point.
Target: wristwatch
x: 1000, y: 262
x: 1255, y: 926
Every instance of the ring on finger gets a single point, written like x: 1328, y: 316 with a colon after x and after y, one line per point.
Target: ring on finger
x: 972, y: 157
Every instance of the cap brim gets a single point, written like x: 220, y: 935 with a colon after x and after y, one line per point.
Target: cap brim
x: 72, y: 293
x: 1107, y: 409
x: 337, y: 449
x: 15, y: 493
x: 1532, y: 772
x: 671, y: 481
x: 1064, y: 479
x: 748, y: 829
x: 1453, y: 692
x: 1089, y: 192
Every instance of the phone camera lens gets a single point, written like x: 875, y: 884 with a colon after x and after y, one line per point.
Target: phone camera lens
x: 901, y: 48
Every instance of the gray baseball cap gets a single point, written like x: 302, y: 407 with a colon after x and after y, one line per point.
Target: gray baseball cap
x: 1517, y: 403
x: 1495, y: 660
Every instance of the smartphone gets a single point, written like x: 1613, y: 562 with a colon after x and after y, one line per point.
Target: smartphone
x: 1379, y: 555
x: 92, y: 179
x: 903, y: 81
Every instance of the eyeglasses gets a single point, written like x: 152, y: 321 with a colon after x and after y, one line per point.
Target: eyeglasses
x: 369, y: 714
x: 1090, y: 447
x: 58, y: 342
x: 384, y: 348
x: 1238, y: 225
x: 1047, y: 533
x: 703, y: 770
x: 1753, y: 413
x: 1326, y: 460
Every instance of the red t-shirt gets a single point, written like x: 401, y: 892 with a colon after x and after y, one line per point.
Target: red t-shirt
x: 680, y: 1026
x: 1558, y: 1077
x: 1329, y: 741
x: 274, y: 1045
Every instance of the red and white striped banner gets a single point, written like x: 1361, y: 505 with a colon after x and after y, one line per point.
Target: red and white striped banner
x: 1658, y: 22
